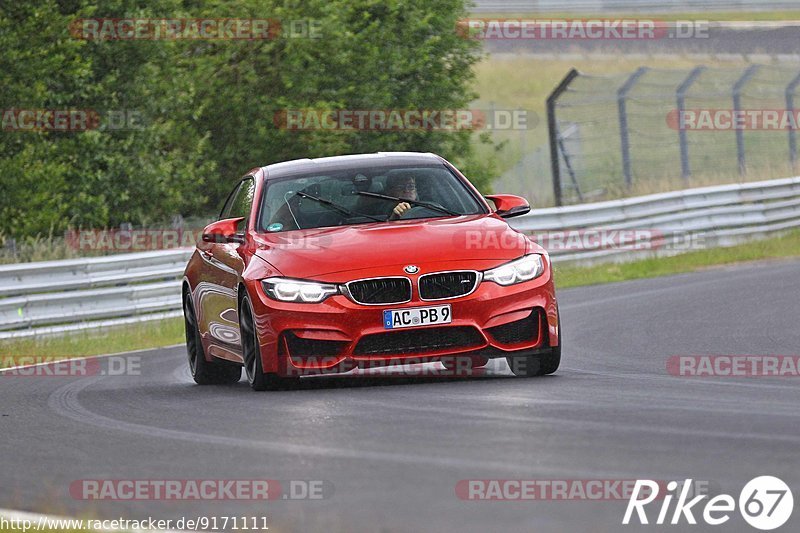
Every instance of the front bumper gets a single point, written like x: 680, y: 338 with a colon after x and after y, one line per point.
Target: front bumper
x: 339, y: 335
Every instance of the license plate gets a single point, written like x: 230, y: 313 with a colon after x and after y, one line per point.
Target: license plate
x: 416, y: 316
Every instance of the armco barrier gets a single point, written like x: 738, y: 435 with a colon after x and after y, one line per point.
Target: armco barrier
x: 69, y: 274
x: 720, y: 216
x: 53, y: 297
x: 56, y: 297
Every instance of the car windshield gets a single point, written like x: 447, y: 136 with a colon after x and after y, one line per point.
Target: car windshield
x: 363, y: 195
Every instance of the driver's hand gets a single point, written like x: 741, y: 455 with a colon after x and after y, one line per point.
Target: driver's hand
x: 400, y: 210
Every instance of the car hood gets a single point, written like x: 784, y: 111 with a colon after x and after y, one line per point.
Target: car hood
x: 316, y: 252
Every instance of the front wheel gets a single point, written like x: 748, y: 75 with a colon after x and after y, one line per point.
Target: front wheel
x: 251, y: 353
x: 535, y: 365
x: 204, y: 372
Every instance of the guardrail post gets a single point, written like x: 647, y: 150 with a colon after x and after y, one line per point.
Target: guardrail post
x: 790, y: 89
x: 552, y: 127
x: 737, y: 107
x: 11, y: 244
x: 680, y: 94
x: 622, y: 94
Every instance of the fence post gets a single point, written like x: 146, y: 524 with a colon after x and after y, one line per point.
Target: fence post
x: 552, y: 127
x: 737, y: 107
x: 790, y: 110
x: 622, y: 94
x: 680, y: 94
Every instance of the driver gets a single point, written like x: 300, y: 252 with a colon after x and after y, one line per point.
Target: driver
x: 402, y: 186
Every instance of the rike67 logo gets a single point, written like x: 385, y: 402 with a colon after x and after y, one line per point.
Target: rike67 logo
x: 765, y: 503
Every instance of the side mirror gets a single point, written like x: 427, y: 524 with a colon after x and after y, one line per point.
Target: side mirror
x: 224, y: 231
x: 508, y: 205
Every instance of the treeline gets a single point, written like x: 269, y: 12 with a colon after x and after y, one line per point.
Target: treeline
x: 99, y: 130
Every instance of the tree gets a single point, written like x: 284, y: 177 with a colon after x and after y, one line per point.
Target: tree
x: 141, y: 169
x: 204, y: 109
x: 368, y: 54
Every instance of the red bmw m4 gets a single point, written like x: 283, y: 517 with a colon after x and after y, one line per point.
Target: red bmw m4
x: 328, y: 265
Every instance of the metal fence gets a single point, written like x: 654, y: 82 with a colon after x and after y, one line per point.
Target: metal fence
x: 651, y: 129
x: 53, y: 297
x: 666, y: 223
x: 57, y: 297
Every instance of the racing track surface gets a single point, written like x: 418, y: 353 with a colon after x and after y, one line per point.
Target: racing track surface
x: 394, y: 449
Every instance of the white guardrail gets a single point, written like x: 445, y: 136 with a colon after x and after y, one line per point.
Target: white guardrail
x: 55, y: 297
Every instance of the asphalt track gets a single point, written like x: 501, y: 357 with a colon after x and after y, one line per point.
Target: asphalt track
x: 394, y: 449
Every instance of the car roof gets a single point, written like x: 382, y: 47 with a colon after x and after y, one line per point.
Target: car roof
x: 341, y: 162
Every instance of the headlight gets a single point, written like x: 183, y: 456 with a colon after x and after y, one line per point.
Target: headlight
x: 525, y: 268
x: 293, y: 290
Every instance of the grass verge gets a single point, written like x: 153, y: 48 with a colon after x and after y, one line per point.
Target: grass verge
x: 111, y: 340
x: 775, y: 248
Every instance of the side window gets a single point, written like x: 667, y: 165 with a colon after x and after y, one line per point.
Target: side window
x: 226, y: 209
x: 240, y: 202
x: 243, y: 202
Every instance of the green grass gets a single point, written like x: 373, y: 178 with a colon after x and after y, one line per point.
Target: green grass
x: 775, y: 248
x: 111, y: 340
x: 170, y: 332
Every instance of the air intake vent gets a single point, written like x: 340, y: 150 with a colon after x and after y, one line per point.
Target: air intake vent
x: 443, y: 285
x: 419, y: 341
x: 524, y: 330
x: 380, y: 291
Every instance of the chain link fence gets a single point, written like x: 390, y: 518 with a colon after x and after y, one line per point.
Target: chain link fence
x: 654, y: 130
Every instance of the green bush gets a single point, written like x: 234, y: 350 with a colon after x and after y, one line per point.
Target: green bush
x: 205, y: 109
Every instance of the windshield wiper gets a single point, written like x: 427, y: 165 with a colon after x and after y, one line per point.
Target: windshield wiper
x: 429, y: 205
x: 336, y: 207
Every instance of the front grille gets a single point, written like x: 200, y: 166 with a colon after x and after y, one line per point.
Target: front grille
x: 299, y: 347
x: 441, y: 285
x: 419, y: 341
x: 524, y: 330
x: 380, y: 290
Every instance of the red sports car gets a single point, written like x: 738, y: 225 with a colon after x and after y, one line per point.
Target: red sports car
x: 327, y: 265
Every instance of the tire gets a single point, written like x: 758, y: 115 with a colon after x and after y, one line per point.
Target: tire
x: 543, y: 363
x: 204, y: 372
x: 472, y: 362
x: 251, y: 352
x: 535, y: 365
